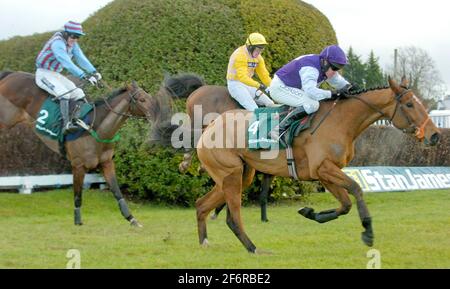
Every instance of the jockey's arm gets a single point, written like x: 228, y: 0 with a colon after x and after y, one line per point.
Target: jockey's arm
x: 59, y: 50
x: 337, y: 81
x: 242, y: 72
x: 309, y: 76
x: 262, y: 72
x: 82, y: 60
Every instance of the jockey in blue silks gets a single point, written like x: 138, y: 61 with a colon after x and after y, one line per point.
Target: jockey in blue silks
x: 57, y: 55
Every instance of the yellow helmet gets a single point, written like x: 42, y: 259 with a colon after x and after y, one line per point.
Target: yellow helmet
x: 256, y: 39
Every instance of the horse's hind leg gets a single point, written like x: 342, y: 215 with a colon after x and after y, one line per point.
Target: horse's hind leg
x: 232, y: 188
x: 10, y: 115
x: 78, y: 179
x: 247, y: 179
x: 265, y: 190
x: 109, y: 172
x: 217, y: 211
x: 187, y: 160
x: 204, y: 205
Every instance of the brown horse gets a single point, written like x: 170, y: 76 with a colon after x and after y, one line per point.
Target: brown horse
x: 21, y: 100
x: 205, y: 104
x: 318, y: 156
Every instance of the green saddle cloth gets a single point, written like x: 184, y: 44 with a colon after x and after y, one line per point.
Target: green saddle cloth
x: 264, y: 119
x: 49, y: 123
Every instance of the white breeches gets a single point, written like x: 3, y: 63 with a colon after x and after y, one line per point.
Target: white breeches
x: 58, y: 85
x: 247, y: 96
x: 292, y: 96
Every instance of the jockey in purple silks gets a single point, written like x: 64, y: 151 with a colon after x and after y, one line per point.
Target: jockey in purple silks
x: 57, y: 55
x: 297, y: 83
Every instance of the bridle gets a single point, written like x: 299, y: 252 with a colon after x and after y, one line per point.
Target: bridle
x: 132, y: 99
x: 419, y: 131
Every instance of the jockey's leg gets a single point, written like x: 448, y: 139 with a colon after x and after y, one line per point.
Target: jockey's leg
x: 263, y: 100
x: 63, y: 89
x: 241, y: 94
x: 294, y: 97
x: 68, y: 126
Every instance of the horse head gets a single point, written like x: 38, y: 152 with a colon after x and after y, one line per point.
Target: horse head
x: 142, y: 103
x: 410, y: 114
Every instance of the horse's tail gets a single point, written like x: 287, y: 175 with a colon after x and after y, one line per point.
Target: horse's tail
x: 182, y: 85
x: 174, y: 87
x: 4, y: 74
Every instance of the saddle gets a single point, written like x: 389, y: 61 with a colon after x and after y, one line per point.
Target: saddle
x: 265, y: 119
x: 49, y: 122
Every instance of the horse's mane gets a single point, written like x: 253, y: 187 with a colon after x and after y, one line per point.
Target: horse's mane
x: 4, y: 74
x: 110, y: 96
x: 364, y: 90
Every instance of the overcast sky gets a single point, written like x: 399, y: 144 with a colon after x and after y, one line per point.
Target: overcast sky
x: 380, y: 25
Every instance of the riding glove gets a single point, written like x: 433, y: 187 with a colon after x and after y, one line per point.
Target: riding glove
x: 92, y: 80
x: 98, y: 75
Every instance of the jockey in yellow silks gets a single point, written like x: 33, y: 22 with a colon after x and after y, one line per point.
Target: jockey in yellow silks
x: 242, y: 66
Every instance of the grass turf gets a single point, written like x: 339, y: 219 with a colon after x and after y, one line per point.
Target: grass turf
x: 412, y: 230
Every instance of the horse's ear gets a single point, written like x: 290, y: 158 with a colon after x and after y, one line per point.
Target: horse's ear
x: 393, y: 84
x: 404, y: 82
x: 134, y: 84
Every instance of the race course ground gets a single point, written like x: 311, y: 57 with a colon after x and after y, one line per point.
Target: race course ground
x: 412, y: 230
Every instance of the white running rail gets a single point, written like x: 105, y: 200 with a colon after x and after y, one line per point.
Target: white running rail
x: 26, y: 184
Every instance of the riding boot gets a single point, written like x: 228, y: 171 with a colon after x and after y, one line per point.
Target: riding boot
x: 292, y: 116
x: 68, y: 126
x: 77, y: 110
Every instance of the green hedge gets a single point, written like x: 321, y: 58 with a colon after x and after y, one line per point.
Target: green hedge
x: 142, y: 39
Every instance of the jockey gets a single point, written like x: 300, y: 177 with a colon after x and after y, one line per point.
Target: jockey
x: 243, y: 63
x: 56, y: 55
x: 296, y: 83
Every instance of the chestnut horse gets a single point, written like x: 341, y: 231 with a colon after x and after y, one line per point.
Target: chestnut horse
x: 205, y: 104
x: 318, y: 156
x: 21, y: 100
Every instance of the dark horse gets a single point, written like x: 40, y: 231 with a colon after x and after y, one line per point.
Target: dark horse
x: 21, y: 100
x: 205, y: 104
x: 319, y: 156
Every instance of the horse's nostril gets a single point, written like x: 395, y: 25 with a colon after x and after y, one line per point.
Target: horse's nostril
x: 434, y: 138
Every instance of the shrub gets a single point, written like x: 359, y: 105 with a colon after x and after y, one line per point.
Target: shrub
x: 141, y: 40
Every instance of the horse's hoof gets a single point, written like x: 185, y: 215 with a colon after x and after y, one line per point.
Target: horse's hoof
x: 262, y: 252
x: 213, y: 217
x: 205, y: 243
x: 367, y: 238
x: 182, y: 168
x: 307, y: 212
x: 135, y: 223
x: 265, y: 220
x: 78, y: 223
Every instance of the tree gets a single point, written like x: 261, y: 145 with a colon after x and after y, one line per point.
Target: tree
x: 415, y: 63
x: 374, y: 75
x: 355, y: 71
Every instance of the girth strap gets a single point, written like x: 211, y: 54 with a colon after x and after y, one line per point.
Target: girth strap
x: 290, y: 161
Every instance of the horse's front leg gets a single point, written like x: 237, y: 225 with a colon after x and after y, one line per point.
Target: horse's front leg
x: 109, y: 172
x: 78, y: 180
x: 338, y: 183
